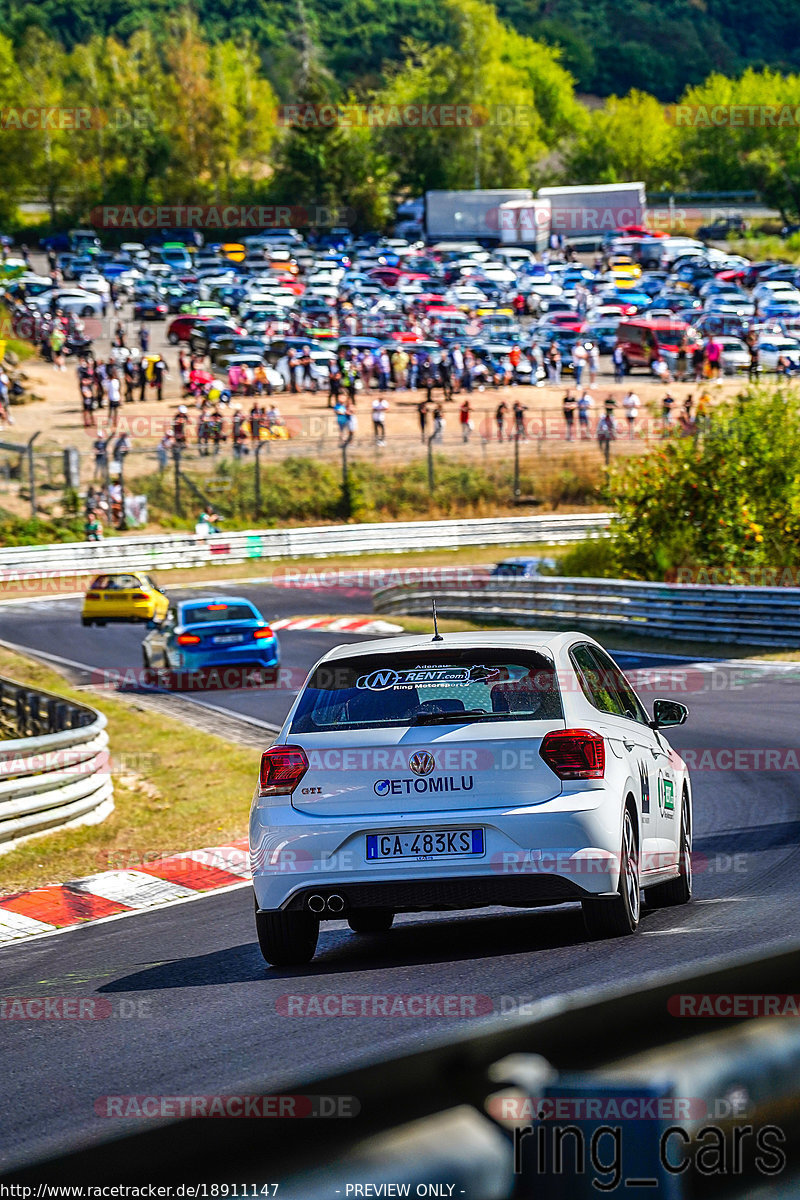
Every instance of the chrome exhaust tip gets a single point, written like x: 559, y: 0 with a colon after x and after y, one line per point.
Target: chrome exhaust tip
x: 335, y: 904
x: 316, y: 904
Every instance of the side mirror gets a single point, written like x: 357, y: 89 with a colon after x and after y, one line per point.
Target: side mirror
x: 668, y: 712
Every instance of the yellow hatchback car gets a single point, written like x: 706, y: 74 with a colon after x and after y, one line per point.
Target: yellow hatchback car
x: 131, y: 596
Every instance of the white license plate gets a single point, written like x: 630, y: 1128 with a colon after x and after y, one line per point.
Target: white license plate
x: 437, y: 843
x: 227, y: 639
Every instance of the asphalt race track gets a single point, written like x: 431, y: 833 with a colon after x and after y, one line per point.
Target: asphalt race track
x: 206, y: 1014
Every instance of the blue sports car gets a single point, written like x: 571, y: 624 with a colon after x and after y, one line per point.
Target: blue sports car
x: 211, y: 632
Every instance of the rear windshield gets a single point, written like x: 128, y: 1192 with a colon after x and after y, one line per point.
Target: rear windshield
x: 429, y: 687
x: 200, y: 614
x: 509, y: 569
x: 118, y: 583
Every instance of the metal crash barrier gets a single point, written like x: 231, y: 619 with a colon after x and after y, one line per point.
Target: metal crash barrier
x: 687, y: 1087
x: 54, y: 764
x: 755, y: 616
x: 165, y: 552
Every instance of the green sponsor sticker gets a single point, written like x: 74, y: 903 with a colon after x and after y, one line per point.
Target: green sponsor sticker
x: 669, y: 791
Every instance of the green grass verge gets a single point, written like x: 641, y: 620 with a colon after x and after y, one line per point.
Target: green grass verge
x: 176, y: 789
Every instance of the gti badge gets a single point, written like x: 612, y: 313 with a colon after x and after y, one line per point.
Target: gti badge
x: 421, y: 763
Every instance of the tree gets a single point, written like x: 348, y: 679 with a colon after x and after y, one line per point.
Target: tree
x: 744, y: 135
x: 729, y: 501
x: 14, y: 155
x: 516, y: 103
x: 629, y: 138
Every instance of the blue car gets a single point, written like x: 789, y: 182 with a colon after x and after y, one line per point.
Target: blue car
x: 211, y: 632
x: 521, y: 568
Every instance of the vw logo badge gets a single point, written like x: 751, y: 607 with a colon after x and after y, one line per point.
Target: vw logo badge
x: 421, y: 763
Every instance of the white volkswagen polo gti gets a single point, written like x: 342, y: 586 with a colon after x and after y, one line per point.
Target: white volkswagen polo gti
x: 419, y: 775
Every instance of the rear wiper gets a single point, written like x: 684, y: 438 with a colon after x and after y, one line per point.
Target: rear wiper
x: 442, y: 718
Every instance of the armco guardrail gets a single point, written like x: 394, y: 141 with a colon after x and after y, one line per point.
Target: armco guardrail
x: 56, y: 770
x: 633, y: 1076
x: 186, y: 550
x: 754, y: 616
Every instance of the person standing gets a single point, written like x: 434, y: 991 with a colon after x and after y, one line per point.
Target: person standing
x: 334, y: 381
x: 514, y: 358
x: 291, y: 368
x: 101, y: 457
x: 580, y: 358
x: 456, y: 362
x: 713, y: 356
x: 618, y: 361
x: 501, y: 412
x: 698, y: 362
x: 422, y: 414
x: 121, y: 448
x: 465, y: 420
x: 630, y: 403
x: 350, y: 379
x: 584, y: 405
x: 683, y: 352
x: 606, y: 433
x: 438, y: 424
x: 114, y: 395
x: 144, y: 338
x: 554, y: 363
x: 594, y: 362
x: 159, y: 375
x: 752, y: 346
x: 379, y: 407
x: 568, y: 406
x: 666, y: 408
x: 306, y: 363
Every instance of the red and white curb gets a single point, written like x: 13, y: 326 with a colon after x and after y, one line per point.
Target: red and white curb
x: 338, y: 624
x: 113, y: 893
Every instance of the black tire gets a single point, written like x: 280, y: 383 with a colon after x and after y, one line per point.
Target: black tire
x: 371, y: 920
x: 619, y: 915
x: 87, y: 621
x: 677, y: 890
x: 99, y: 622
x: 86, y: 311
x: 173, y: 339
x: 287, y: 939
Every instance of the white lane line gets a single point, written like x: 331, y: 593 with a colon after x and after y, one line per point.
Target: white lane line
x: 682, y: 929
x: 14, y: 926
x: 21, y: 601
x: 70, y: 662
x: 133, y: 912
x: 56, y: 658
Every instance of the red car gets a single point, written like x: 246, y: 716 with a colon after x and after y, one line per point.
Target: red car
x: 179, y: 329
x: 566, y: 320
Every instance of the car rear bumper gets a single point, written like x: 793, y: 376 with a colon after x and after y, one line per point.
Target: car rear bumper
x: 531, y: 856
x: 263, y: 653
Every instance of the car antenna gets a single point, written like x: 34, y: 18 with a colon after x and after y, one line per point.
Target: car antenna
x: 437, y: 637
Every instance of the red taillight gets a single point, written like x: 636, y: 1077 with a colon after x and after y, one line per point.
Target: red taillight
x: 574, y: 753
x: 282, y: 768
x: 266, y: 632
x: 139, y: 596
x: 92, y: 595
x: 187, y: 639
